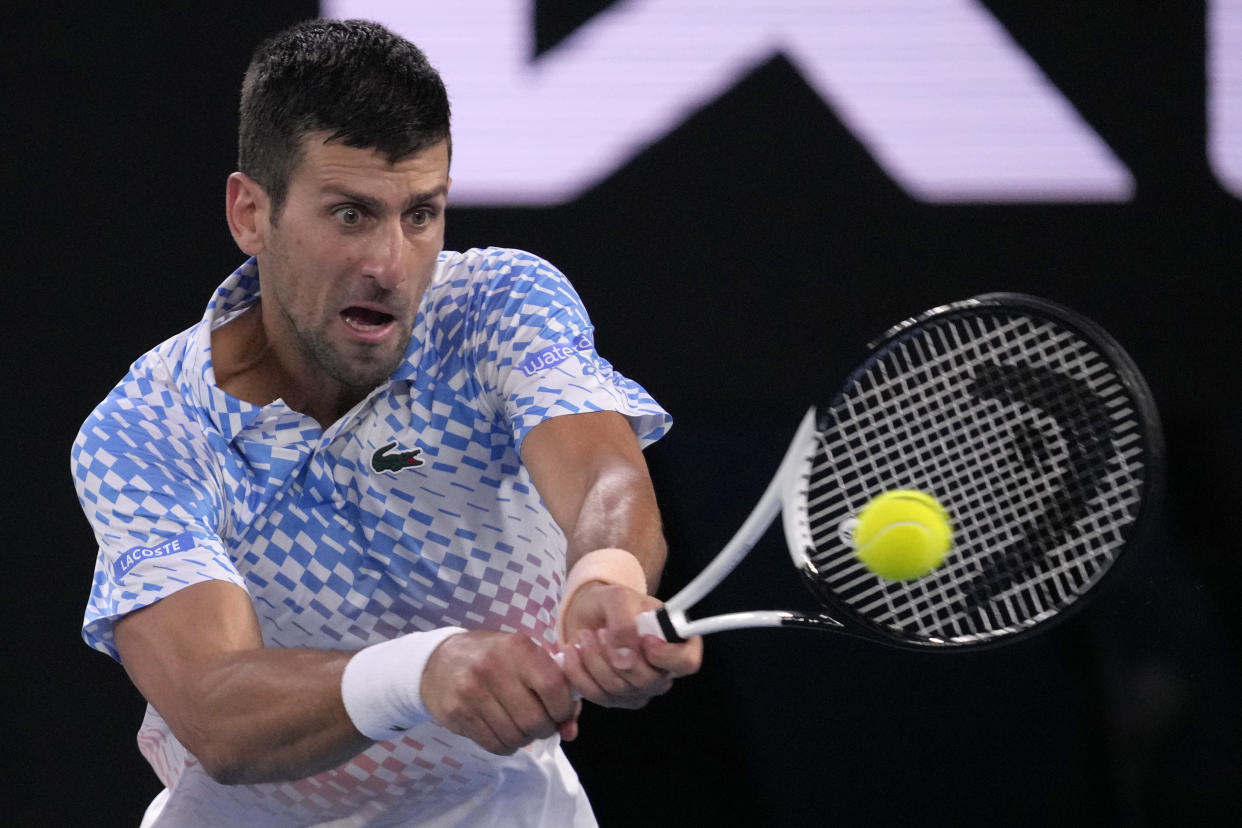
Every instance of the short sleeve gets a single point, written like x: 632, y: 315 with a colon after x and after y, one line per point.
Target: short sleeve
x: 144, y: 475
x: 536, y: 352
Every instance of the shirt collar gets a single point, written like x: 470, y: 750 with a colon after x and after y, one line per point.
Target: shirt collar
x: 229, y: 414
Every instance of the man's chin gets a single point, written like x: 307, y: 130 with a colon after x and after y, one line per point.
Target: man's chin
x: 355, y: 366
x: 367, y: 374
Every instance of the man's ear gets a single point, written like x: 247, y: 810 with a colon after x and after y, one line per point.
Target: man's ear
x: 248, y: 210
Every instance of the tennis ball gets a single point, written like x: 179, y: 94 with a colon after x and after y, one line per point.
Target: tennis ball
x: 902, y: 534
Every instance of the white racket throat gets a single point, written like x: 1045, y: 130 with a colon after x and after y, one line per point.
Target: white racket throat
x: 786, y: 489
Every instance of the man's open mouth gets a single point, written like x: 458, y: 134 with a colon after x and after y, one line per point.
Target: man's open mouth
x: 365, y: 319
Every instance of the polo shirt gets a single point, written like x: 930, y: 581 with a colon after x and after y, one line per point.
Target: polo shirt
x: 413, y: 511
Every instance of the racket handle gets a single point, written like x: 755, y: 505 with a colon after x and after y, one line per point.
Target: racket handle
x: 658, y: 623
x: 648, y: 624
x: 651, y: 622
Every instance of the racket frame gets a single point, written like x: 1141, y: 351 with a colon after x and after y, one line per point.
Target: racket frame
x: 781, y: 495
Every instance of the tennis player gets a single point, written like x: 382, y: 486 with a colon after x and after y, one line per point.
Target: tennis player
x: 346, y: 520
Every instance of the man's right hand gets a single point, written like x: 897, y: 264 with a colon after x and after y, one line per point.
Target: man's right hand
x: 500, y: 690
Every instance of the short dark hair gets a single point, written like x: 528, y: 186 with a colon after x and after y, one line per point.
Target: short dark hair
x: 364, y: 85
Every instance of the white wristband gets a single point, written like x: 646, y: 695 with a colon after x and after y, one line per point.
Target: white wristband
x: 380, y: 685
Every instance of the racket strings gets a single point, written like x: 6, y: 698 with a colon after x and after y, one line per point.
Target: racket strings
x: 1080, y: 413
x: 1023, y: 431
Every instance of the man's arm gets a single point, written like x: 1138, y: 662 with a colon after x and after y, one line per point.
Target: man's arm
x: 255, y: 714
x: 247, y: 712
x: 590, y: 471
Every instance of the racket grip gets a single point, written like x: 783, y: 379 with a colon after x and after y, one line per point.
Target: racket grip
x: 648, y: 624
x: 656, y: 622
x: 651, y: 622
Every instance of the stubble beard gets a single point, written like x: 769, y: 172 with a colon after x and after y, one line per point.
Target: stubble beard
x: 356, y: 375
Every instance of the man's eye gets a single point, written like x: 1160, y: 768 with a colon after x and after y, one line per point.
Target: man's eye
x: 349, y: 216
x: 422, y: 216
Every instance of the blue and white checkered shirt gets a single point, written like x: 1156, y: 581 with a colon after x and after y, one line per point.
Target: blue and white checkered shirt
x: 411, y: 512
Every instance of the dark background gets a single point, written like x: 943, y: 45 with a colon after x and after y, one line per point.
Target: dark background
x: 737, y: 276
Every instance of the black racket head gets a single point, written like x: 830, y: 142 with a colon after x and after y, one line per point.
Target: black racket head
x: 1034, y: 429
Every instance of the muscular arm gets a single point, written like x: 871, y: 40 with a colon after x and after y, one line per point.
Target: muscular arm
x: 592, y: 476
x: 249, y: 713
x: 266, y: 714
x: 590, y: 471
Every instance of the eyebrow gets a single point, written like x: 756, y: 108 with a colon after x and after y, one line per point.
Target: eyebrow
x: 375, y: 204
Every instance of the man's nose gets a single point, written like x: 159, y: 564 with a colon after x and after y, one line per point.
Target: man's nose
x: 388, y: 256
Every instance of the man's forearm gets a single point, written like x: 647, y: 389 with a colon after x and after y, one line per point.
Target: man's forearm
x: 267, y: 715
x: 249, y: 713
x: 620, y: 511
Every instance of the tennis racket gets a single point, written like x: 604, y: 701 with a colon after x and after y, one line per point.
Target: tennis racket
x: 1028, y: 422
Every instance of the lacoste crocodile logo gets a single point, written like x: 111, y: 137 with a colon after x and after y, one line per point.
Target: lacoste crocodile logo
x: 382, y: 461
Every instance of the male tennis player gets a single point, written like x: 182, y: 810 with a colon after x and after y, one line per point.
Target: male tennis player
x: 345, y: 519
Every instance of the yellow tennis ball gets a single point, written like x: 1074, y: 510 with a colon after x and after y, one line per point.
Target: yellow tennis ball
x: 902, y: 534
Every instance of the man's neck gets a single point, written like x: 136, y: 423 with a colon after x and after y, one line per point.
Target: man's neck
x: 247, y: 367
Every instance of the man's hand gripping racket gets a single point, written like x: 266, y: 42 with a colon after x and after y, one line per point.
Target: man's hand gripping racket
x: 1026, y: 421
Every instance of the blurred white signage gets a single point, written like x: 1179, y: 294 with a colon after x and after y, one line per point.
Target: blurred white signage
x: 946, y: 102
x: 1224, y: 80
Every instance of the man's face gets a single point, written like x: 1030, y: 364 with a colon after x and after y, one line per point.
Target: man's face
x: 345, y: 264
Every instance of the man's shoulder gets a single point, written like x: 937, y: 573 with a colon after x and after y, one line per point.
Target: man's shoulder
x: 484, y: 265
x: 497, y: 280
x: 151, y: 397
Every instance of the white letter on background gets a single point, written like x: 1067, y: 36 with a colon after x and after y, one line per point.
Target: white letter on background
x: 946, y: 102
